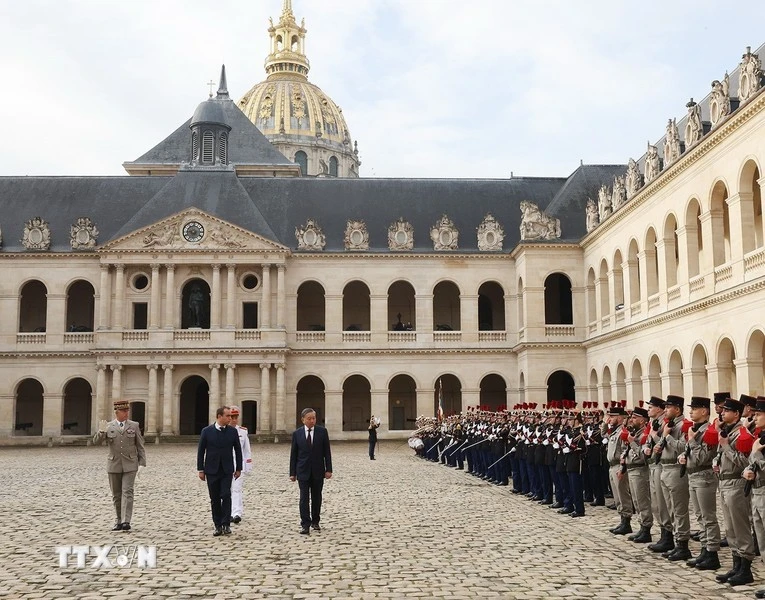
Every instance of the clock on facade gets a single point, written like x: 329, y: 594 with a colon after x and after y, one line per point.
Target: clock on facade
x: 193, y: 231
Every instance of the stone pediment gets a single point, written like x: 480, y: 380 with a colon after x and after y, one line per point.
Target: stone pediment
x: 193, y: 230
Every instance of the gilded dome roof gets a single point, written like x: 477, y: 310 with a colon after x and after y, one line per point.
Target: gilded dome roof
x: 291, y: 106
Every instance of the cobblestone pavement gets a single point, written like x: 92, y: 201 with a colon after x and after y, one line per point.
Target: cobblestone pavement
x: 398, y: 527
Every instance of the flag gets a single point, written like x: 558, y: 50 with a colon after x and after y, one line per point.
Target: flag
x: 440, y: 400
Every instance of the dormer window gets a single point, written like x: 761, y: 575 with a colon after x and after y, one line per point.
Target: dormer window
x: 208, y: 147
x: 223, y: 149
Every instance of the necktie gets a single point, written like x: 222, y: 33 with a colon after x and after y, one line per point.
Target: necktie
x: 310, y: 441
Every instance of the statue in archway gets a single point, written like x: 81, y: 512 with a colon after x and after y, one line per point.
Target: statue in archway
x: 196, y: 306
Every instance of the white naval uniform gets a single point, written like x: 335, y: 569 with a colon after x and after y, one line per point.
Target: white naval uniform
x: 237, y: 509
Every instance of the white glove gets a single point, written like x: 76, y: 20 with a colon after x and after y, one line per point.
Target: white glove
x: 103, y: 424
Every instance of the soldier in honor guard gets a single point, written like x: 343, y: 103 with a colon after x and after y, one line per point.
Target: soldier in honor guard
x: 619, y: 481
x: 659, y: 498
x: 593, y: 440
x: 575, y: 453
x: 755, y: 475
x: 732, y: 458
x: 126, y: 454
x: 667, y: 450
x: 636, y: 466
x: 700, y: 450
x: 237, y: 485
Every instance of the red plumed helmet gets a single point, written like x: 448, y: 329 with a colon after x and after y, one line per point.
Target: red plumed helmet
x: 624, y: 403
x: 640, y: 403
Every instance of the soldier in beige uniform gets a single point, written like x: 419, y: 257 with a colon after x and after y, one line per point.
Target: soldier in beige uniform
x: 126, y: 454
x: 732, y: 458
x: 755, y: 473
x: 700, y: 450
x: 639, y: 475
x: 667, y: 451
x: 659, y: 496
x: 620, y: 486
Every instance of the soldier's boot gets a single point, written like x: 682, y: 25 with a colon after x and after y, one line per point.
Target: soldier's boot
x: 710, y: 563
x: 624, y: 528
x: 643, y: 536
x: 615, y: 529
x: 760, y: 593
x: 696, y: 560
x: 665, y: 542
x: 723, y: 577
x: 743, y: 575
x: 681, y: 552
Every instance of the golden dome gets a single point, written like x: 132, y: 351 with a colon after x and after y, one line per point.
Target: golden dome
x: 295, y: 115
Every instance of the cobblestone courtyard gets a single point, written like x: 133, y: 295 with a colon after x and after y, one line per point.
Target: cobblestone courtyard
x: 397, y: 527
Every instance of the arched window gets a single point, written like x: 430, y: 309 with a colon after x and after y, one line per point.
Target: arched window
x: 301, y: 159
x: 558, y: 306
x: 333, y: 166
x: 693, y: 239
x: 208, y: 147
x: 310, y: 307
x: 720, y: 225
x: 491, y: 307
x: 223, y: 149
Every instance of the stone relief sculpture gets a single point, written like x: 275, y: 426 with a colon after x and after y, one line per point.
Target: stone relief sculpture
x: 694, y: 128
x: 652, y: 163
x: 490, y: 234
x: 719, y: 100
x: 161, y: 236
x: 323, y: 168
x: 356, y: 236
x: 444, y: 234
x: 749, y: 75
x: 535, y: 225
x: 218, y: 236
x: 83, y: 234
x: 633, y: 180
x: 36, y: 234
x: 671, y: 143
x: 619, y: 194
x: 604, y: 203
x: 310, y: 236
x: 593, y: 218
x: 400, y: 235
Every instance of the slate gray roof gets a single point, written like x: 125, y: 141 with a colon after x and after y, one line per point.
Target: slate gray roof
x: 246, y: 145
x: 570, y: 203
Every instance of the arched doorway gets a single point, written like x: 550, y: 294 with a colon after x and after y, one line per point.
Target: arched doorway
x: 491, y: 307
x: 310, y: 307
x: 558, y: 305
x: 138, y: 414
x: 402, y: 403
x: 195, y: 305
x: 310, y: 394
x: 357, y: 403
x: 77, y: 407
x: 249, y: 417
x: 34, y: 307
x: 29, y: 408
x: 446, y: 307
x: 194, y: 405
x: 560, y: 386
x: 80, y: 306
x: 448, y: 389
x: 493, y: 393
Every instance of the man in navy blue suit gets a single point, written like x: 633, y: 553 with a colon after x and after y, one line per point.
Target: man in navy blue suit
x: 310, y: 465
x: 218, y: 444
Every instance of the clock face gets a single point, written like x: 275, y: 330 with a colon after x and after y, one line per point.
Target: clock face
x: 193, y: 231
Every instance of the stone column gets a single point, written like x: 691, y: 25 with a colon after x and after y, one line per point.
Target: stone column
x: 118, y: 319
x: 511, y: 314
x: 7, y: 418
x: 116, y: 382
x: 281, y: 397
x: 599, y: 308
x: 424, y: 308
x: 468, y: 314
x: 265, y: 398
x: 425, y: 402
x: 643, y: 270
x: 713, y: 377
x: 470, y: 397
x: 333, y: 411
x: 55, y: 318
x: 748, y: 376
x: 630, y: 276
x: 230, y: 296
x: 104, y: 298
x: 661, y: 252
x: 214, y: 403
x: 741, y: 215
x: 102, y: 397
x: 281, y: 296
x: 379, y: 408
x: 170, y: 303
x: 378, y: 313
x: 167, y: 401
x: 53, y: 414
x: 230, y: 391
x: 686, y: 259
x: 265, y: 313
x: 153, y: 415
x: 215, y: 301
x: 333, y: 306
x: 154, y: 308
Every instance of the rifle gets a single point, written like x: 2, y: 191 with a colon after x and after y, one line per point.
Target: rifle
x: 750, y: 482
x: 687, y: 452
x: 626, y: 452
x: 662, y: 442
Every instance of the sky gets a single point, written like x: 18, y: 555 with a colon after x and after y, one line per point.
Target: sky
x: 429, y: 88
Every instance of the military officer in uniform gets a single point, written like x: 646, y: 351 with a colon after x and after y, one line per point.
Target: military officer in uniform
x: 755, y: 473
x: 659, y: 499
x: 126, y: 454
x: 636, y: 465
x: 732, y: 458
x: 620, y: 486
x: 237, y: 485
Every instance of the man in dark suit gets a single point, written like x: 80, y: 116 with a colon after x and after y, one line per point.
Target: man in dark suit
x: 218, y: 444
x: 310, y: 465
